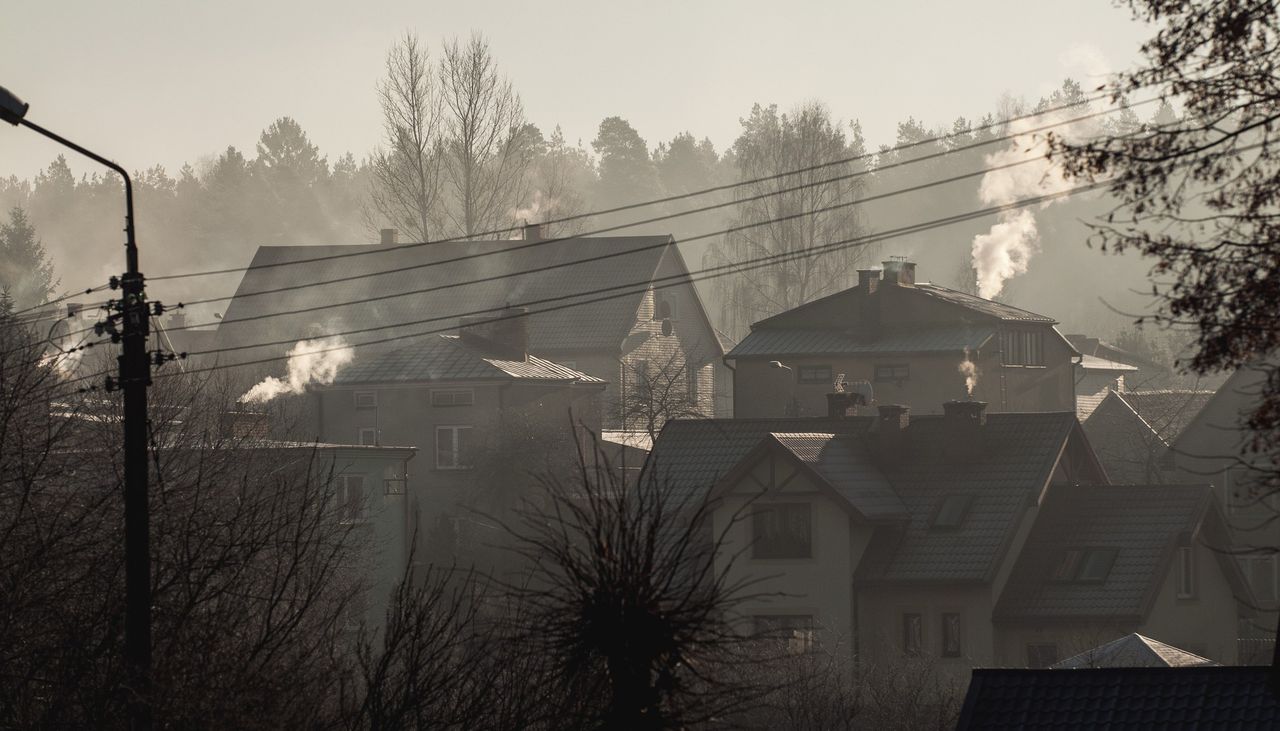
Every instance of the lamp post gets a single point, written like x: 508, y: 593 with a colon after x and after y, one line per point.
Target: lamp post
x: 134, y: 377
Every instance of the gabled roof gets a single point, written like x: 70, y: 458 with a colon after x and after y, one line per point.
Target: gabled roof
x: 767, y: 341
x: 1141, y: 523
x: 1134, y: 651
x: 1128, y: 447
x: 1119, y: 699
x: 1168, y: 410
x: 596, y: 326
x: 998, y: 310
x: 1094, y: 363
x: 1019, y: 452
x: 450, y: 358
x: 844, y: 465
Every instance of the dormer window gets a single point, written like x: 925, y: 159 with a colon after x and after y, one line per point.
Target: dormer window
x: 1085, y: 565
x: 951, y: 511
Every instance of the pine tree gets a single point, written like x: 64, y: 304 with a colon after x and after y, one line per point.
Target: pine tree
x: 26, y: 274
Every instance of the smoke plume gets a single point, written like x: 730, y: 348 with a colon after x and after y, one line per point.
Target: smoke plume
x: 969, y: 370
x: 310, y: 361
x: 1006, y: 250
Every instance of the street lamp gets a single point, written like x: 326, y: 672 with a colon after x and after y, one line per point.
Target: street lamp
x: 134, y: 377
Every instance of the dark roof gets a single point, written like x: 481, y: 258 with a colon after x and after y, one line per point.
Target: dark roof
x: 1128, y: 447
x: 596, y: 326
x: 449, y: 358
x: 1018, y: 454
x: 845, y: 466
x: 1142, y: 523
x: 975, y: 303
x: 1168, y: 410
x: 1120, y: 699
x: 767, y: 341
x: 1134, y: 651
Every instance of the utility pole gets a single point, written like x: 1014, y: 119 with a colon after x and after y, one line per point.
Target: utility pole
x: 134, y: 314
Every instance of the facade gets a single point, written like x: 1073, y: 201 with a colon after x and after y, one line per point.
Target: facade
x: 916, y: 343
x: 946, y: 536
x: 1132, y: 430
x: 483, y: 412
x: 619, y: 308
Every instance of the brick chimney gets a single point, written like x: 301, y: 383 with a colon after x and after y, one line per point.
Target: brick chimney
x: 389, y: 236
x: 532, y: 232
x: 899, y: 272
x: 890, y: 432
x: 868, y: 281
x: 502, y: 334
x: 963, y: 423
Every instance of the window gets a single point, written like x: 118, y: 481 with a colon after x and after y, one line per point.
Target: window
x: 640, y: 375
x: 1186, y: 572
x: 952, y: 511
x: 952, y: 637
x: 798, y: 631
x: 393, y: 486
x: 1085, y: 565
x: 352, y: 502
x: 368, y: 436
x: 691, y: 384
x: 366, y: 399
x: 814, y: 374
x: 453, y: 397
x: 912, y: 633
x: 895, y: 372
x: 1022, y: 347
x: 453, y: 447
x: 782, y: 530
x: 1261, y: 573
x: 1042, y: 655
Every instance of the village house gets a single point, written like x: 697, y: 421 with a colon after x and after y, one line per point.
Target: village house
x: 485, y: 412
x: 916, y: 343
x: 1131, y: 431
x: 969, y: 537
x: 619, y: 308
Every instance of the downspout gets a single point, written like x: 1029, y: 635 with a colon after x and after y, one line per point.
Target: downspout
x: 733, y: 393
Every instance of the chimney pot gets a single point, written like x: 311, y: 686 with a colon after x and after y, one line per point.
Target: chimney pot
x: 532, y: 232
x: 900, y: 272
x: 389, y: 236
x: 868, y: 281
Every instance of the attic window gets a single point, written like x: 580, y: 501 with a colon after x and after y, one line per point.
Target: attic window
x: 952, y: 511
x: 1085, y: 565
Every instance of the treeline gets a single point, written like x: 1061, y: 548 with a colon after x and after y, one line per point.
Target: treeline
x: 458, y: 157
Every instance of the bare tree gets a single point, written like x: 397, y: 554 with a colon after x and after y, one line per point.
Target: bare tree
x: 486, y: 139
x: 655, y: 391
x: 407, y: 174
x: 799, y: 213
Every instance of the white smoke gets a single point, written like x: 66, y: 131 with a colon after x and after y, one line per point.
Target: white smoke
x: 538, y: 205
x: 1006, y: 250
x: 969, y: 370
x: 310, y: 361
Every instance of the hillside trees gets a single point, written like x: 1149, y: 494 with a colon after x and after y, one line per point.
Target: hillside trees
x: 26, y: 273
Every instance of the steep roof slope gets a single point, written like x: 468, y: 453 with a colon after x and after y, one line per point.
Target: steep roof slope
x: 400, y: 269
x: 1141, y: 524
x: 1134, y: 651
x: 845, y: 465
x: 449, y: 358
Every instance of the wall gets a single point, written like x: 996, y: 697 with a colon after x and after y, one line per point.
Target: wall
x: 1204, y: 624
x: 880, y: 622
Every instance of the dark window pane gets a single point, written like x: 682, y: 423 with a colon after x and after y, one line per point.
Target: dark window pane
x: 782, y: 530
x: 912, y: 633
x: 952, y: 644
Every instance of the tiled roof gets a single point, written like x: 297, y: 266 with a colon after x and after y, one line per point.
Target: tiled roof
x: 1018, y: 453
x: 1134, y: 651
x: 978, y: 304
x: 1168, y: 411
x: 844, y: 464
x: 1141, y: 522
x: 1120, y: 699
x: 767, y: 341
x: 1094, y: 363
x: 1128, y: 447
x: 600, y: 325
x: 448, y: 358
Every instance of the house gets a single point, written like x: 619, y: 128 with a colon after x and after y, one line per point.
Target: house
x: 486, y: 411
x: 1214, y: 447
x: 1131, y: 430
x: 1121, y: 699
x: 916, y: 343
x: 1096, y: 378
x: 941, y: 535
x: 1133, y: 651
x: 619, y: 308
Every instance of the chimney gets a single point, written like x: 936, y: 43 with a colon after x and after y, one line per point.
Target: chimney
x: 840, y: 403
x: 900, y: 272
x: 868, y: 281
x: 962, y: 426
x: 533, y: 232
x: 502, y: 334
x: 389, y: 236
x: 868, y: 305
x: 890, y: 432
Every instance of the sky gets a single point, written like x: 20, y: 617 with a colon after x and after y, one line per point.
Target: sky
x: 146, y: 82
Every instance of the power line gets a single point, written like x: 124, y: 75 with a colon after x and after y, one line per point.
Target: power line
x: 729, y: 186
x: 590, y: 259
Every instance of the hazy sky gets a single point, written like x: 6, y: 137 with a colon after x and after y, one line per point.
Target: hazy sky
x: 167, y: 82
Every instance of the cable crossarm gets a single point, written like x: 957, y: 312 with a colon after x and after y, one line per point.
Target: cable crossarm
x: 612, y: 292
x: 371, y: 251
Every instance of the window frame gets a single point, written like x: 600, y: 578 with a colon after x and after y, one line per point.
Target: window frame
x: 948, y: 632
x: 371, y: 403
x: 758, y: 517
x: 965, y: 502
x: 913, y: 633
x: 893, y: 375
x: 458, y: 463
x: 343, y: 499
x: 360, y: 436
x: 453, y: 394
x: 804, y: 638
x: 1075, y: 562
x: 1022, y: 347
x: 811, y: 380
x: 1187, y: 581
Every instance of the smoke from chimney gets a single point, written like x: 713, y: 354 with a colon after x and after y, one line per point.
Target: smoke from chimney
x: 310, y: 361
x: 969, y: 370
